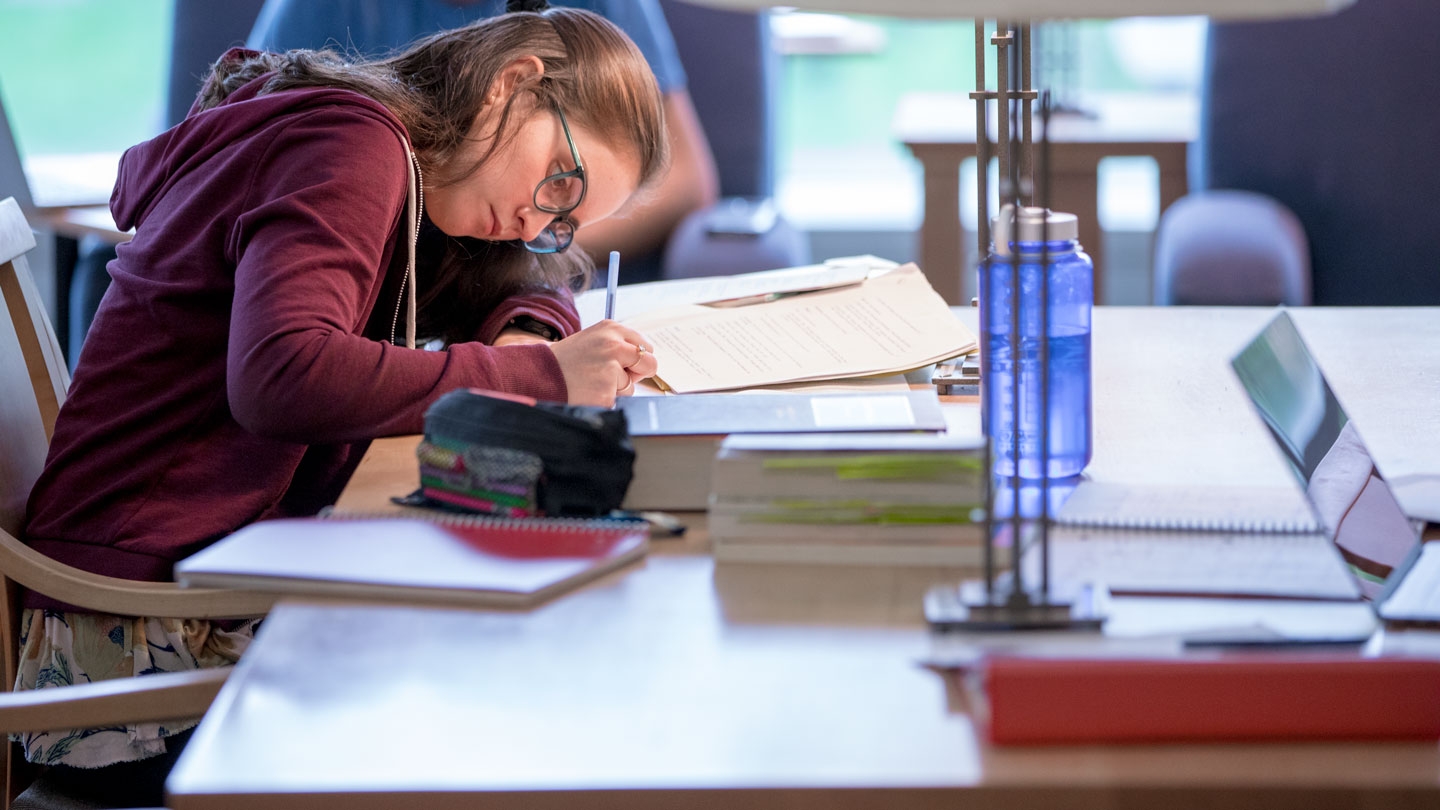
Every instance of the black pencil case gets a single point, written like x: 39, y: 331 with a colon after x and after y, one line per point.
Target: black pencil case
x: 500, y: 454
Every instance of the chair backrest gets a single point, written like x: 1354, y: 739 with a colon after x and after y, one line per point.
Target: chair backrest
x: 33, y: 374
x: 33, y: 382
x: 1336, y: 118
x: 33, y: 379
x: 731, y: 70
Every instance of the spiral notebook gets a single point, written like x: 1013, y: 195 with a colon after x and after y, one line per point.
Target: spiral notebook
x: 457, y: 560
x: 1340, y: 534
x: 1193, y: 508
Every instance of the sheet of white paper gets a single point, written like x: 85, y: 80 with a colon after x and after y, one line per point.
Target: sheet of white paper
x: 891, y: 323
x: 887, y: 383
x: 636, y: 299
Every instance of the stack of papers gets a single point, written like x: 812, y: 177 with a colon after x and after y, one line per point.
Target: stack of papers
x: 638, y: 299
x: 846, y: 319
x: 889, y: 323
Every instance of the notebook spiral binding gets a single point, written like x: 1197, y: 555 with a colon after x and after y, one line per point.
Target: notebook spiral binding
x: 1192, y: 523
x: 553, y: 524
x: 1188, y: 508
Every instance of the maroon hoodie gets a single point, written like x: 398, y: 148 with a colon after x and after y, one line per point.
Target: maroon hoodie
x: 234, y: 371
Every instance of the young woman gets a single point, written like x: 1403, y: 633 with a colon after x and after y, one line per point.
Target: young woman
x: 254, y: 338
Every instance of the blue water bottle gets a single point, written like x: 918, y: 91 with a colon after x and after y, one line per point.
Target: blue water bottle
x: 1016, y: 236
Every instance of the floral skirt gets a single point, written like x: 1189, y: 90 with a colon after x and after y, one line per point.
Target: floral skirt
x: 60, y: 649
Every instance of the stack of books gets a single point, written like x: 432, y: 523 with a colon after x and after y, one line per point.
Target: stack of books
x: 676, y: 438
x: 849, y: 499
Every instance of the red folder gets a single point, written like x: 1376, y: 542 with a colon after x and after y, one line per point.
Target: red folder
x: 1254, y: 697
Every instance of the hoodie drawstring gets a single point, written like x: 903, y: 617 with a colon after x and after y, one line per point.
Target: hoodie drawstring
x: 414, y: 205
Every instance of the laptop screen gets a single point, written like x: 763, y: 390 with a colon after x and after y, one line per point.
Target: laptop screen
x: 1350, y: 497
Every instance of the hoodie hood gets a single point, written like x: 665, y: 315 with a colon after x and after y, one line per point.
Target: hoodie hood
x: 149, y: 168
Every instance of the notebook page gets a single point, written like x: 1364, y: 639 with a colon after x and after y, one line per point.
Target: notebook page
x: 1142, y: 561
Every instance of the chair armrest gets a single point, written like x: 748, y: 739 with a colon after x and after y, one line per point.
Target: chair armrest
x: 1231, y: 248
x: 735, y: 235
x: 123, y: 597
x: 147, y: 698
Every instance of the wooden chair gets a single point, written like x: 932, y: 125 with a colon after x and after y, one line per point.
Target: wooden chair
x: 1312, y: 181
x: 33, y: 382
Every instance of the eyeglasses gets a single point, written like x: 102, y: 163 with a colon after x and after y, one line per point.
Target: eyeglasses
x: 559, y: 194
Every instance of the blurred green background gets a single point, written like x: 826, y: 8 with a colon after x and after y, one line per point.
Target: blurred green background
x: 84, y: 75
x: 847, y: 100
x: 89, y: 75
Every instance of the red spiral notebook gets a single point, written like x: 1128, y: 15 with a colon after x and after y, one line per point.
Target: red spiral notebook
x: 438, y: 558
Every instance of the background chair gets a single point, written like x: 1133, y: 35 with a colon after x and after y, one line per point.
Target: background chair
x: 34, y: 380
x: 1328, y: 126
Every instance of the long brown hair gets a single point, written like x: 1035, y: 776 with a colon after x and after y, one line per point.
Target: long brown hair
x: 437, y: 87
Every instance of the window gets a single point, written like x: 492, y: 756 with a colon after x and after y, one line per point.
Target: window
x: 838, y: 164
x: 842, y: 77
x: 84, y: 75
x: 840, y: 168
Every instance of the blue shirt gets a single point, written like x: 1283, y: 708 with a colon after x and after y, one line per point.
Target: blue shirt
x: 375, y: 27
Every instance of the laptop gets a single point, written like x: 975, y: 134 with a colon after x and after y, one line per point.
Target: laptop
x: 53, y: 181
x: 1351, y: 500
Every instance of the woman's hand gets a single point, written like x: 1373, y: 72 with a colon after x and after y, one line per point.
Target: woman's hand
x: 603, y: 362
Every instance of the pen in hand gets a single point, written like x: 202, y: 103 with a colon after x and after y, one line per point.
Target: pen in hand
x: 612, y: 279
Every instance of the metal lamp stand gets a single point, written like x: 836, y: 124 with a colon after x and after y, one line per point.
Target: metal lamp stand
x: 1011, y: 602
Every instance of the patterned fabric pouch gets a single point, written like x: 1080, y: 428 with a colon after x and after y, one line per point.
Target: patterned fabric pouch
x: 492, y: 480
x: 500, y: 454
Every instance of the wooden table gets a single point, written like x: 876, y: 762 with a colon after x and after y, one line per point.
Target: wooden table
x: 81, y: 221
x: 939, y: 129
x: 683, y: 683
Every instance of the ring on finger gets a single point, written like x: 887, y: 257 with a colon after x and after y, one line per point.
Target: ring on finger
x: 639, y: 355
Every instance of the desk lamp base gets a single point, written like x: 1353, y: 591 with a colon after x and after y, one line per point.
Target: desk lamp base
x: 965, y: 607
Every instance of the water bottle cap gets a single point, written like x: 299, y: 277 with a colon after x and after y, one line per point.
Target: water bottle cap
x: 1030, y: 225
